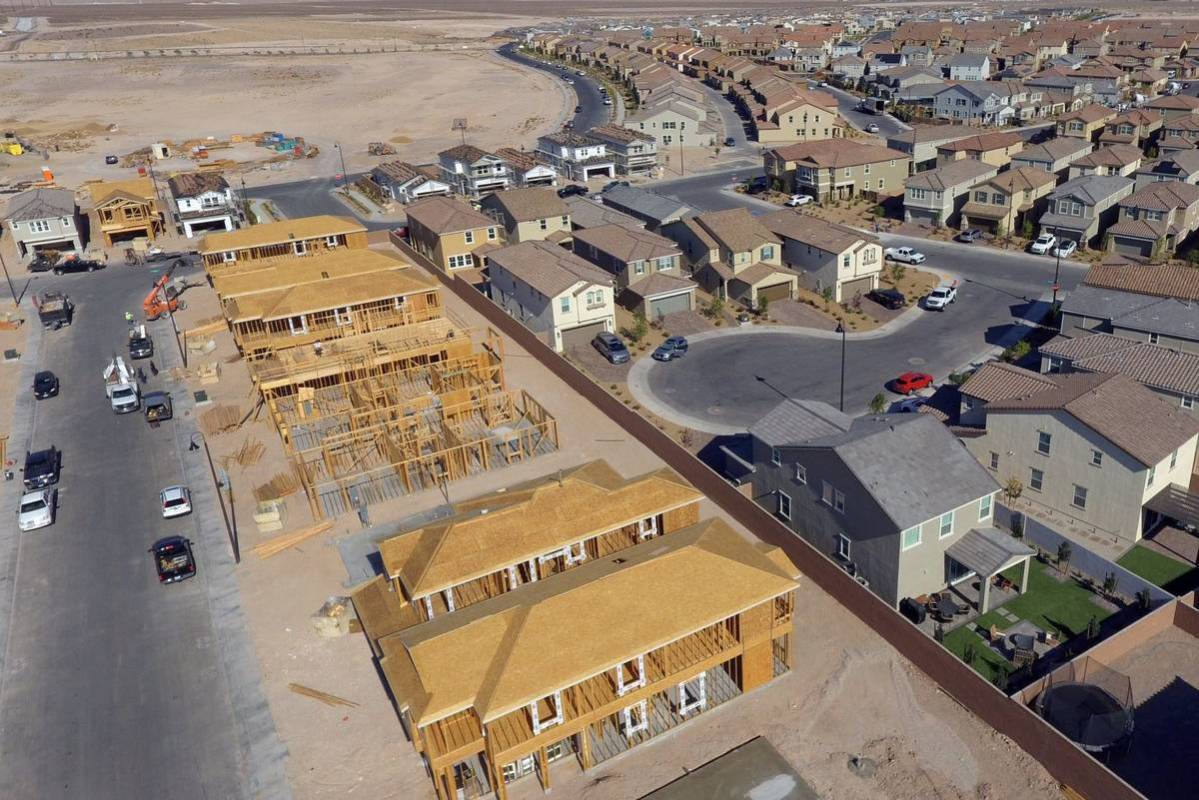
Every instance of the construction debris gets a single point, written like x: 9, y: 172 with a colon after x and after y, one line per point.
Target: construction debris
x: 287, y: 541
x: 380, y: 149
x: 250, y: 452
x: 208, y: 373
x: 219, y: 419
x: 324, y: 697
x: 280, y: 486
x: 206, y: 328
x: 269, y: 515
x: 335, y: 618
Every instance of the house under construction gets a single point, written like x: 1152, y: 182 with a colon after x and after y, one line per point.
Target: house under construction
x: 587, y: 663
x: 374, y: 389
x: 519, y: 535
x: 299, y: 237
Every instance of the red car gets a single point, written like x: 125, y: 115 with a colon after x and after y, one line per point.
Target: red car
x: 910, y: 382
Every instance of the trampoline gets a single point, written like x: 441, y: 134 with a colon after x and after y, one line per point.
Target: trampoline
x: 1090, y: 716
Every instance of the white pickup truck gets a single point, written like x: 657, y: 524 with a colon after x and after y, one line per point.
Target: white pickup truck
x: 120, y: 385
x: 905, y: 255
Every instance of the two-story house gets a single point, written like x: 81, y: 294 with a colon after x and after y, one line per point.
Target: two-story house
x: 1085, y: 123
x: 553, y: 292
x: 673, y: 121
x: 647, y: 268
x: 203, y: 202
x: 1155, y: 220
x: 1178, y: 133
x: 969, y: 67
x: 124, y: 210
x: 733, y: 255
x: 981, y: 102
x: 997, y: 148
x: 1081, y: 209
x: 837, y: 169
x: 473, y: 172
x: 44, y: 220
x: 1116, y: 159
x: 827, y: 255
x: 1054, y: 155
x: 1173, y: 106
x: 937, y: 196
x: 1002, y: 203
x: 635, y: 152
x: 451, y: 233
x: 406, y: 183
x: 1180, y: 166
x: 811, y: 116
x: 1094, y: 450
x: 1134, y: 301
x: 1137, y: 127
x: 920, y: 143
x: 530, y: 215
x: 300, y: 236
x: 650, y: 208
x: 889, y: 497
x: 525, y: 169
x: 579, y: 158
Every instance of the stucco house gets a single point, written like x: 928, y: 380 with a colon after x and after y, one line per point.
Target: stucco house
x: 837, y: 169
x: 1002, y: 203
x: 938, y: 195
x: 203, y: 202
x: 647, y: 268
x: 44, y: 219
x: 1081, y: 209
x: 1181, y: 166
x: 473, y: 172
x: 1054, y: 155
x: 451, y: 233
x: 578, y: 157
x: 997, y: 148
x: 1116, y: 159
x: 1146, y: 304
x: 969, y: 67
x: 532, y: 214
x: 828, y: 256
x: 1155, y: 220
x: 405, y: 183
x: 1085, y: 123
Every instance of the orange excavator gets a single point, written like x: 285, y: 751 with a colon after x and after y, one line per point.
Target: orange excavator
x: 162, y: 299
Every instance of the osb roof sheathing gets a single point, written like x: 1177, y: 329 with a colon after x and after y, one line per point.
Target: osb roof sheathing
x: 509, y: 651
x: 306, y: 298
x: 509, y: 527
x: 280, y: 273
x: 138, y: 188
x: 280, y: 232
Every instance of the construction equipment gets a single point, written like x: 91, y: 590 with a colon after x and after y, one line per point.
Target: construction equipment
x: 380, y: 149
x: 162, y: 298
x: 54, y: 308
x: 121, y: 387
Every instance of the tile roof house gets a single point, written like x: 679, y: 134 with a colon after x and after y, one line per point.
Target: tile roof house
x: 837, y: 169
x: 635, y: 152
x: 473, y: 172
x: 1136, y: 127
x: 997, y: 148
x: 203, y: 202
x: 1085, y: 123
x: 997, y: 380
x: 1054, y: 155
x: 553, y: 292
x: 886, y: 496
x: 586, y: 212
x: 578, y: 157
x: 531, y: 214
x: 1154, y: 220
x: 1081, y: 209
x: 1173, y: 106
x: 653, y: 209
x: 938, y: 195
x: 1093, y: 449
x: 44, y: 219
x: 1171, y: 374
x: 451, y: 234
x: 1004, y: 202
x: 827, y: 255
x: 526, y: 169
x: 1116, y: 159
x: 1178, y: 166
x: 647, y: 268
x: 404, y: 182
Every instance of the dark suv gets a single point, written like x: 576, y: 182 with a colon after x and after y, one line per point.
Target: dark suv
x: 141, y: 347
x: 888, y: 298
x: 77, y: 265
x: 41, y: 468
x: 611, y: 347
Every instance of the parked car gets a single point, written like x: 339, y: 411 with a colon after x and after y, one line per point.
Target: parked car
x: 111, y: 160
x: 42, y: 263
x: 1065, y: 248
x: 37, y: 509
x: 888, y: 298
x: 872, y: 127
x: 613, y: 185
x: 611, y: 347
x: 970, y: 236
x: 729, y: 141
x: 672, y: 348
x: 77, y: 265
x: 141, y: 347
x: 607, y: 101
x: 572, y: 189
x: 910, y: 382
x: 906, y: 255
x: 941, y: 296
x: 173, y: 559
x: 909, y: 405
x: 176, y: 501
x: 45, y: 384
x: 578, y: 109
x: 42, y: 468
x: 798, y: 200
x: 1044, y: 243
x: 158, y: 407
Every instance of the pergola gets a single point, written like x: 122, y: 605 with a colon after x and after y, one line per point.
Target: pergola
x: 988, y: 552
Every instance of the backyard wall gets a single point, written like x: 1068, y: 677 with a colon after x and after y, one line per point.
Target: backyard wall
x: 1089, y: 563
x: 1058, y: 755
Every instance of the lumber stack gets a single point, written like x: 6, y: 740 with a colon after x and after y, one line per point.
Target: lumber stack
x: 283, y: 484
x: 278, y: 544
x: 220, y: 419
x: 323, y: 697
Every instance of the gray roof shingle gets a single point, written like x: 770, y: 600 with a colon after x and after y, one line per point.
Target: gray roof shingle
x: 793, y: 421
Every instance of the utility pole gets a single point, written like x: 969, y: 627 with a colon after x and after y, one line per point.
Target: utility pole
x: 841, y: 330
x: 1057, y: 266
x: 8, y: 278
x: 682, y: 169
x: 245, y: 201
x: 342, y: 156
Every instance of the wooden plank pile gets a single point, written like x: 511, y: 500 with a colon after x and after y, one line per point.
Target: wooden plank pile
x: 220, y: 419
x: 323, y: 697
x: 278, y: 544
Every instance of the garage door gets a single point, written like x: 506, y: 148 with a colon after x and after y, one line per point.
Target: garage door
x: 581, y: 336
x: 778, y: 291
x: 661, y: 306
x: 851, y: 288
x: 1133, y: 247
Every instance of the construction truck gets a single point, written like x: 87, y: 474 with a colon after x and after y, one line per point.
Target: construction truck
x: 163, y: 298
x: 120, y: 384
x: 54, y: 308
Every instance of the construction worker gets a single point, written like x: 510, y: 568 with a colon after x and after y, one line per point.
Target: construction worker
x: 129, y: 318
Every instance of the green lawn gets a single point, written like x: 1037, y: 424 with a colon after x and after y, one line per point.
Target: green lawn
x: 1155, y: 567
x: 986, y: 661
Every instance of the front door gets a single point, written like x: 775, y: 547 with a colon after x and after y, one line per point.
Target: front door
x: 957, y: 572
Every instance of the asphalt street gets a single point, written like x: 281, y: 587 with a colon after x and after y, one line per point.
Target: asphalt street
x: 847, y: 104
x: 587, y: 92
x: 114, y: 686
x: 311, y: 197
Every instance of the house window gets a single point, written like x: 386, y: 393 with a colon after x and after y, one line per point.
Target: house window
x: 842, y: 546
x: 630, y: 675
x: 546, y: 712
x: 575, y: 553
x: 767, y: 251
x: 775, y: 457
x: 997, y: 199
x: 910, y: 538
x: 342, y: 316
x: 980, y: 197
x: 458, y: 262
x: 469, y: 237
x: 866, y: 170
x: 801, y: 474
x: 491, y: 235
x: 784, y: 505
x: 543, y: 224
x: 39, y: 226
x: 984, y: 508
x: 994, y: 460
x: 845, y: 259
x: 330, y: 241
x: 693, y: 694
x: 1096, y: 458
x: 1174, y: 459
x: 945, y: 526
x: 832, y: 497
x: 1188, y: 402
x: 298, y: 325
x: 647, y: 528
x: 636, y: 718
x: 228, y: 256
x: 1080, y: 497
x: 564, y: 304
x: 300, y: 248
x: 638, y: 267
x: 1036, y: 479
x: 1154, y: 338
x: 1043, y: 441
x: 665, y: 262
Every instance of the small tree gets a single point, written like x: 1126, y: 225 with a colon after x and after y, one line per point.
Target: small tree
x: 1026, y: 230
x: 1064, y: 551
x: 1159, y: 247
x: 640, y: 326
x: 1093, y: 628
x: 827, y: 294
x: 1001, y: 230
x: 1109, y: 585
x: 763, y: 304
x: 1016, y: 352
x: 970, y: 654
x: 897, y: 272
x: 714, y: 308
x: 878, y: 403
x: 1012, y: 490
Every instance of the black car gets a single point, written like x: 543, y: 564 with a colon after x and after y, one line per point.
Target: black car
x: 611, y: 347
x: 110, y: 159
x: 173, y: 559
x: 672, y: 348
x: 77, y: 265
x: 888, y: 298
x: 45, y: 384
x: 972, y: 235
x: 729, y: 141
x: 42, y: 264
x: 572, y: 189
x: 41, y: 468
x: 578, y: 109
x: 141, y: 347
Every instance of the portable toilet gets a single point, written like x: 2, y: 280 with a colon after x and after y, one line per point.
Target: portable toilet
x: 160, y: 150
x: 141, y: 171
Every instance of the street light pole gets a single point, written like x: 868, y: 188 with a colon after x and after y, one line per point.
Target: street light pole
x: 342, y: 156
x: 1057, y: 266
x: 841, y: 330
x: 8, y: 278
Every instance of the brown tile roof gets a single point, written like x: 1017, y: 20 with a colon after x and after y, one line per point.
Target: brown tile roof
x: 1022, y: 179
x: 1163, y: 196
x: 1117, y: 407
x: 1161, y: 281
x: 528, y: 204
x: 997, y: 380
x: 1151, y: 364
x: 522, y: 160
x: 983, y: 142
x: 506, y: 652
x: 448, y: 215
x: 619, y: 134
x: 1180, y: 102
x: 627, y: 244
x: 547, y: 267
x: 1116, y: 155
x: 659, y: 283
x: 756, y: 273
x: 837, y: 153
x: 464, y: 152
x: 736, y: 229
x: 828, y: 236
x: 193, y: 184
